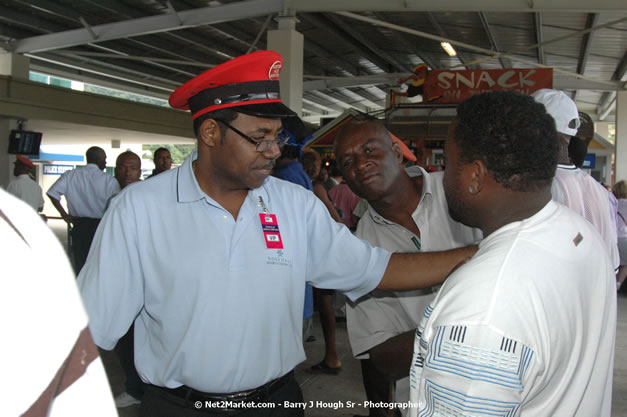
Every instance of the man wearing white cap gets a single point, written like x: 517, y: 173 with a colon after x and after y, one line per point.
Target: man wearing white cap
x: 573, y: 187
x: 210, y: 259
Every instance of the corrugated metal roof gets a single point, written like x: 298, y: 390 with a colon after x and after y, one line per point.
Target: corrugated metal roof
x: 336, y: 45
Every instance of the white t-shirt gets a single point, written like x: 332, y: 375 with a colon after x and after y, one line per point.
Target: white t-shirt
x: 27, y: 190
x: 86, y: 189
x: 576, y: 189
x: 42, y: 320
x: 525, y: 328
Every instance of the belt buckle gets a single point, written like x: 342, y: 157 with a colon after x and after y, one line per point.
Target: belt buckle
x: 253, y: 395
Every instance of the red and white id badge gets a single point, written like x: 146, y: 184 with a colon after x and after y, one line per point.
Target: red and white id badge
x: 271, y: 232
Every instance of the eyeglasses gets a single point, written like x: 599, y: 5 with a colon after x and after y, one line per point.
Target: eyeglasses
x: 265, y: 144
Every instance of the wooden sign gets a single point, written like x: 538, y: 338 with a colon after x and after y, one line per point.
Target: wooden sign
x: 449, y: 86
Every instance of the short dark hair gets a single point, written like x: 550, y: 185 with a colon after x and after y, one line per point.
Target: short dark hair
x: 311, y: 163
x: 95, y: 154
x: 620, y: 189
x: 130, y: 153
x: 228, y: 115
x: 512, y: 134
x: 154, y: 155
x: 577, y: 150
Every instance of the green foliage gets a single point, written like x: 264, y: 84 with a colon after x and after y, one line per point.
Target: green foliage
x: 178, y: 152
x: 124, y: 95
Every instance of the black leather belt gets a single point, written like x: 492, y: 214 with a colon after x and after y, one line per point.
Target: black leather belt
x: 190, y: 396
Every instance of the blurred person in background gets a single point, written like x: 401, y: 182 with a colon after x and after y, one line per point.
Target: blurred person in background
x: 23, y: 186
x: 162, y: 160
x: 620, y: 192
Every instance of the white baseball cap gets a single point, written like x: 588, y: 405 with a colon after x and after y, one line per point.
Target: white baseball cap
x: 561, y: 108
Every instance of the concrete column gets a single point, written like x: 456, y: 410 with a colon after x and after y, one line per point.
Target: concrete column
x: 602, y: 128
x: 289, y: 43
x: 6, y: 160
x: 621, y: 136
x: 14, y: 65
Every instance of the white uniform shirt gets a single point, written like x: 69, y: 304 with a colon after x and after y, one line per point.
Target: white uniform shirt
x: 86, y: 190
x: 576, y: 189
x: 41, y: 316
x: 217, y: 310
x: 380, y: 315
x: 525, y: 328
x: 27, y: 190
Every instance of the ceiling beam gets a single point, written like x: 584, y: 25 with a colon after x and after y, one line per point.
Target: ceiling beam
x: 332, y: 106
x: 571, y: 34
x: 142, y: 87
x: 322, y: 22
x: 313, y: 109
x: 148, y: 25
x: 354, y: 33
x: 584, y: 51
x: 411, y: 46
x: 325, y: 109
x: 122, y: 10
x: 524, y: 6
x: 323, y: 83
x: 111, y: 72
x: 611, y: 84
x: 134, y: 58
x: 438, y: 28
x: 252, y: 8
x: 560, y: 82
x: 367, y: 95
x: 608, y: 99
x: 34, y: 23
x: 341, y: 99
x: 355, y: 97
x: 505, y: 63
x: 537, y: 24
x: 55, y: 9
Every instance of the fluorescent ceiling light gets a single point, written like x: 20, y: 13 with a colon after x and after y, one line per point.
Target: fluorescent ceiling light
x: 448, y: 48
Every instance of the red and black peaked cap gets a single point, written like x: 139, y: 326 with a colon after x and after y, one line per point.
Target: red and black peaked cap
x: 249, y: 84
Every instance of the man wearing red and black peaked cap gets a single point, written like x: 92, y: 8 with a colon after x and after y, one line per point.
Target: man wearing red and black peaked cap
x: 23, y: 187
x: 211, y: 259
x: 238, y: 100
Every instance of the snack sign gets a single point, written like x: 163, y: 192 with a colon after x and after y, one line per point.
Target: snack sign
x: 448, y: 86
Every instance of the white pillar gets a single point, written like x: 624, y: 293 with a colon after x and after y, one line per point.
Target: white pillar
x: 6, y: 164
x: 289, y: 43
x: 621, y: 136
x: 603, y: 129
x: 16, y: 66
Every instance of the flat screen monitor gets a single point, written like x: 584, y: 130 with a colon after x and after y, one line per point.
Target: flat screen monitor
x: 24, y: 142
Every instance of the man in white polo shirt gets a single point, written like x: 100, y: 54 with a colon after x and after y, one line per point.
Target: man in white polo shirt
x: 406, y: 212
x: 87, y: 190
x: 210, y: 259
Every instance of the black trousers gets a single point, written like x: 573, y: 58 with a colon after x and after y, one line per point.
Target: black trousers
x: 125, y: 351
x: 83, y: 231
x: 158, y: 403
